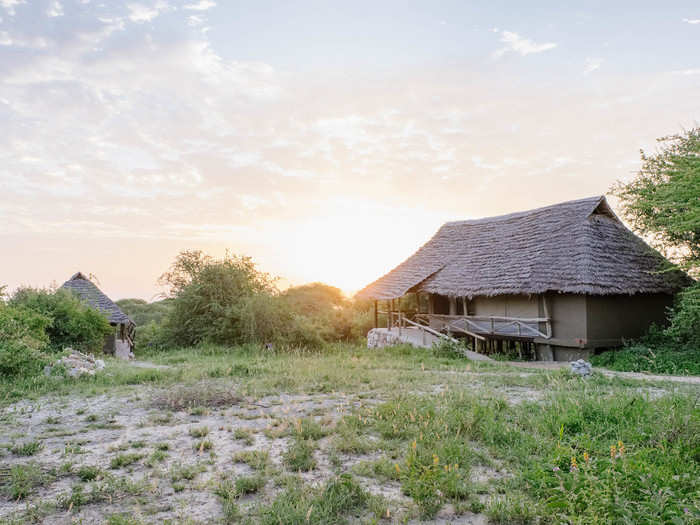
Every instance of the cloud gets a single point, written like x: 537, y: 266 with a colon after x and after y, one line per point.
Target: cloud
x: 10, y: 5
x: 591, y: 65
x: 202, y: 5
x: 687, y: 72
x: 140, y: 13
x: 517, y: 44
x: 694, y: 21
x: 55, y: 9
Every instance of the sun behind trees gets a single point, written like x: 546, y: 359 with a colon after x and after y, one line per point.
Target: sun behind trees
x: 229, y: 301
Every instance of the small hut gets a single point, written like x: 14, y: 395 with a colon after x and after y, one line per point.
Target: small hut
x: 561, y: 281
x: 121, y: 342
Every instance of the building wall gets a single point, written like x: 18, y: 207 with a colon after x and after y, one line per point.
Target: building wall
x: 507, y: 305
x: 568, y: 314
x: 623, y: 316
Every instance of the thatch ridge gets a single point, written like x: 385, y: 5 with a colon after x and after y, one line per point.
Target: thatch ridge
x: 91, y: 294
x: 576, y: 246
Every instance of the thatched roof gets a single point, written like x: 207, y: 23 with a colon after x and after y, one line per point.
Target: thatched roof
x: 92, y: 295
x: 574, y: 247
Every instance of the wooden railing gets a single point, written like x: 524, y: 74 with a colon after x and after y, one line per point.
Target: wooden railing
x: 476, y: 326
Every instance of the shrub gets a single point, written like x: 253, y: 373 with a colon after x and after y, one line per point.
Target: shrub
x: 71, y: 322
x: 22, y: 341
x: 300, y: 455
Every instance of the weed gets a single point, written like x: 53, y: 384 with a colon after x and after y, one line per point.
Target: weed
x: 124, y: 460
x: 22, y: 480
x: 28, y: 448
x: 300, y: 455
x: 178, y: 472
x: 203, y: 445
x: 158, y: 456
x: 88, y: 473
x: 199, y: 432
x: 255, y: 459
x: 244, y: 434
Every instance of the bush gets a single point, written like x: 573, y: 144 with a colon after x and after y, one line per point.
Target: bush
x: 656, y: 360
x: 72, y: 323
x: 685, y: 319
x: 23, y: 340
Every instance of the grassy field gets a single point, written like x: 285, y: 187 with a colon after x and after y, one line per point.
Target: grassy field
x: 346, y: 435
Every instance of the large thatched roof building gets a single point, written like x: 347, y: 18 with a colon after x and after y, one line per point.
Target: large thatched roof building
x: 573, y: 267
x: 121, y: 342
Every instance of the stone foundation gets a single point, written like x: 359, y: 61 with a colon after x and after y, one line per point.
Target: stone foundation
x: 380, y: 337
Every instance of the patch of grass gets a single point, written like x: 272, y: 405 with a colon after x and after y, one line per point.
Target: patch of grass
x: 138, y: 444
x: 124, y: 460
x: 308, y: 428
x: 178, y: 472
x: 123, y: 519
x: 88, y: 472
x: 300, y: 455
x: 298, y: 505
x: 202, y: 445
x: 199, y: 432
x: 255, y: 459
x: 158, y: 456
x: 381, y: 469
x: 244, y: 434
x: 28, y: 448
x: 52, y: 420
x: 22, y: 480
x: 92, y: 418
x: 659, y: 360
x: 163, y: 446
x: 108, y: 489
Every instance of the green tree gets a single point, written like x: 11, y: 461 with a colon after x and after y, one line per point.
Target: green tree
x: 663, y: 200
x: 663, y: 203
x: 72, y: 323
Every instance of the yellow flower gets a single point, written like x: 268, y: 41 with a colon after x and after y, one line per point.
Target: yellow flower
x: 398, y: 469
x: 621, y: 447
x: 573, y: 462
x: 586, y: 458
x: 436, y: 459
x: 414, y: 444
x: 613, y: 451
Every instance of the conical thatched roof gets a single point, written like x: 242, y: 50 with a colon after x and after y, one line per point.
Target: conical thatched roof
x: 573, y: 247
x: 91, y: 294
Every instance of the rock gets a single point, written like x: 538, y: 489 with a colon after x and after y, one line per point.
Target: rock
x: 379, y: 338
x: 78, y: 363
x: 582, y: 368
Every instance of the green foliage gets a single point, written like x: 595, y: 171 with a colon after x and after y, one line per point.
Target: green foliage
x: 72, y: 323
x: 23, y: 340
x: 142, y: 312
x: 124, y: 460
x: 327, y: 506
x: 22, y: 480
x: 685, y: 320
x: 88, y: 472
x: 656, y: 359
x: 255, y: 459
x: 229, y: 301
x: 662, y: 201
x: 300, y: 455
x: 28, y: 448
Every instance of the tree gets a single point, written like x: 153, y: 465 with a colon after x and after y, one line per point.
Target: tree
x: 663, y: 203
x: 663, y: 200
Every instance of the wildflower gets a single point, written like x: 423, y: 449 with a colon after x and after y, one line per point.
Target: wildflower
x: 586, y: 457
x: 621, y: 448
x: 436, y: 459
x: 574, y: 465
x: 556, y: 469
x: 414, y: 445
x: 398, y: 469
x: 613, y: 452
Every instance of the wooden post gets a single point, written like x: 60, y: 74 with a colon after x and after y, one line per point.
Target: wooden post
x: 431, y: 304
x: 453, y: 305
x: 376, y: 315
x: 465, y: 310
x: 399, y: 315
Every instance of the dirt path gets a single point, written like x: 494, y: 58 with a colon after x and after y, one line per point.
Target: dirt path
x: 555, y: 365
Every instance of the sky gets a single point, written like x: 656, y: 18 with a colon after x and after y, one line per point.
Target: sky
x: 326, y: 140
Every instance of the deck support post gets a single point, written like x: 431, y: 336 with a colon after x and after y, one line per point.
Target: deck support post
x: 376, y: 315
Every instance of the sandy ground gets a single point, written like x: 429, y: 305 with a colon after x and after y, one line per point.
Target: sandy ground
x: 77, y: 432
